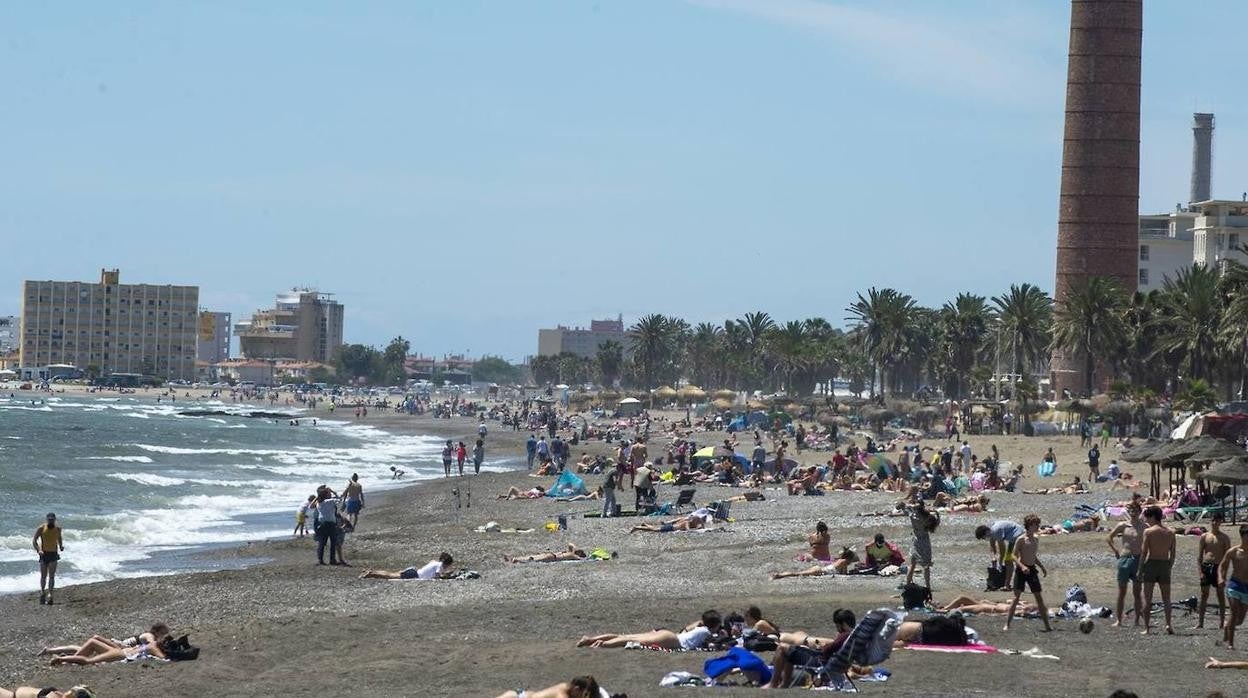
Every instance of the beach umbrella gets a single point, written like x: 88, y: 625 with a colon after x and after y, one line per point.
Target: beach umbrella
x: 608, y: 396
x: 1233, y: 472
x: 756, y: 405
x: 1158, y: 414
x: 1119, y: 410
x: 853, y: 401
x: 879, y: 416
x: 1141, y: 451
x: 842, y: 421
x: 787, y: 466
x: 725, y: 394
x: 691, y: 393
x: 793, y: 409
x: 714, y: 452
x: 878, y: 463
x: 665, y: 393
x: 722, y: 404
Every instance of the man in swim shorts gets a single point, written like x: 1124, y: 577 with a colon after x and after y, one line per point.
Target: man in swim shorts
x: 1213, y: 547
x: 1233, y: 572
x: 354, y: 495
x: 1156, y: 561
x: 1029, y: 569
x: 48, y: 545
x: 1132, y: 533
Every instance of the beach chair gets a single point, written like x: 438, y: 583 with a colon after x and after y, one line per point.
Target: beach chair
x: 870, y: 642
x: 719, y: 510
x: 684, y: 499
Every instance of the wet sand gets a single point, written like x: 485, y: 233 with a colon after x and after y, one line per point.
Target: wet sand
x: 288, y: 626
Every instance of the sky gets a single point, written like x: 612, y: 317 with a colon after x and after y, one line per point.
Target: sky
x: 463, y: 173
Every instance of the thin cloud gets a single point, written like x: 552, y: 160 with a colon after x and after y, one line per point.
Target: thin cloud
x: 1015, y: 58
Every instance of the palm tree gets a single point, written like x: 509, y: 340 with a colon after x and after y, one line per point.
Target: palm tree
x: 1198, y: 396
x: 1091, y: 323
x: 964, y: 323
x: 705, y: 355
x: 788, y: 353
x: 1024, y: 318
x: 610, y: 358
x: 881, y: 319
x: 650, y: 341
x: 1233, y: 334
x: 1188, y: 319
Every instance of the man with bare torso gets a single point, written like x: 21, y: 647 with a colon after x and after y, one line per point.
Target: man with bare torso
x: 1233, y: 573
x: 1132, y: 533
x: 1027, y: 570
x: 1213, y: 547
x: 638, y: 455
x: 1156, y: 562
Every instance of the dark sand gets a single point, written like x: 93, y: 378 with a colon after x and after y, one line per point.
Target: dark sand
x: 287, y: 627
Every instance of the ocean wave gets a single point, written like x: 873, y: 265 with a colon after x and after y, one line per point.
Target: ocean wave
x: 120, y: 459
x: 148, y: 479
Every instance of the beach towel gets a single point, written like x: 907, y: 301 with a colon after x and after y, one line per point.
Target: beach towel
x: 953, y: 649
x: 737, y: 658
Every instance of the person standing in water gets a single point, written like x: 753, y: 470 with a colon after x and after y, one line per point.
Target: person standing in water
x: 354, y: 494
x: 48, y: 545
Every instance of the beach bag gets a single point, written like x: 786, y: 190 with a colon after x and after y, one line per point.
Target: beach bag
x: 1046, y: 469
x: 996, y: 578
x: 755, y: 641
x: 1076, y: 594
x: 179, y: 650
x: 915, y: 596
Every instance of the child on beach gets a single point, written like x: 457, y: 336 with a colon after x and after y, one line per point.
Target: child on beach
x: 301, y: 517
x: 1026, y: 564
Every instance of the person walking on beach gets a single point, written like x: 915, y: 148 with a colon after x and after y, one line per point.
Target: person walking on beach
x: 1233, y: 573
x: 354, y: 494
x: 325, y: 525
x: 543, y: 451
x: 1213, y: 547
x: 49, y: 545
x: 301, y: 517
x: 530, y: 449
x: 608, y: 492
x: 448, y: 452
x: 1094, y: 463
x: 1026, y: 564
x: 1156, y: 562
x: 478, y: 456
x: 461, y: 454
x: 1132, y: 533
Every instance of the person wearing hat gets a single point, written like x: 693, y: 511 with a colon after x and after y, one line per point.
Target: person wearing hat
x: 48, y: 545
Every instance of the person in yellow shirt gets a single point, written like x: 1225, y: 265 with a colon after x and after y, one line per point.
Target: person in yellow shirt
x: 48, y: 544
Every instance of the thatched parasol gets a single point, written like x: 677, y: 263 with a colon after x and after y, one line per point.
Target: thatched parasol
x: 725, y: 394
x: 1233, y: 472
x: 793, y: 409
x: 842, y: 421
x: 853, y: 401
x: 1141, y: 451
x: 1158, y: 414
x: 722, y: 404
x: 826, y: 418
x: 608, y: 396
x: 691, y: 393
x: 665, y: 393
x: 756, y: 405
x: 1119, y: 410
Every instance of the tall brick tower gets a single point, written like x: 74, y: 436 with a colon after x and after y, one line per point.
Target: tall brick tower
x: 1098, y: 216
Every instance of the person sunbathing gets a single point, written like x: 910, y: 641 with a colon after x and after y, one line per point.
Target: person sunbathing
x: 571, y: 554
x: 747, y: 497
x: 97, y: 651
x: 755, y: 620
x: 579, y: 687
x: 596, y: 494
x: 547, y: 468
x: 838, y: 566
x: 789, y: 655
x: 1090, y: 524
x: 32, y: 692
x: 1126, y: 482
x: 434, y: 569
x: 975, y: 504
x: 805, y: 483
x: 818, y: 542
x: 693, y: 637
x: 152, y: 636
x: 968, y: 604
x: 536, y: 492
x: 1075, y: 487
x: 1225, y: 664
x: 683, y: 523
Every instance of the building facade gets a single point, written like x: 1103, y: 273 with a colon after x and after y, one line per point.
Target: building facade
x: 110, y: 326
x: 1220, y: 228
x: 581, y: 341
x: 9, y: 326
x: 1166, y: 246
x: 303, y: 325
x: 214, y: 337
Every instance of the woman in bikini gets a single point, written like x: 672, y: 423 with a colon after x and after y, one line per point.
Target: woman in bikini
x: 99, y: 651
x: 818, y: 542
x: 580, y: 687
x: 838, y: 566
x: 693, y: 637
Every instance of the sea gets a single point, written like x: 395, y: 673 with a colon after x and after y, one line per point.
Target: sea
x: 140, y: 487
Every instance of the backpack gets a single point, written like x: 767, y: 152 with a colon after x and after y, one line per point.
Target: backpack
x: 996, y: 579
x: 179, y: 650
x: 915, y: 596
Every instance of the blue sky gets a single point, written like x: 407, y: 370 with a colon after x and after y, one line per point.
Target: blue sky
x: 463, y: 173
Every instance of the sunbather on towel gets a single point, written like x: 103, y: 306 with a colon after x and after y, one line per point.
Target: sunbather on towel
x: 432, y: 570
x: 596, y: 494
x: 693, y: 637
x: 838, y: 566
x: 94, y: 651
x: 580, y: 687
x: 536, y: 492
x: 1075, y: 487
x: 1220, y: 664
x: 152, y: 636
x: 988, y: 607
x: 683, y: 523
x: 572, y: 553
x: 32, y: 692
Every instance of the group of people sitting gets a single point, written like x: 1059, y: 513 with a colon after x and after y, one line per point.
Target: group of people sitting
x: 877, y: 554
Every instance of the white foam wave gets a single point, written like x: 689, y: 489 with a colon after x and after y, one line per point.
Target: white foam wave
x: 148, y: 479
x: 121, y: 459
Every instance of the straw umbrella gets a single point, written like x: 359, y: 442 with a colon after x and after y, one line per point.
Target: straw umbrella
x: 721, y: 404
x: 1141, y: 451
x: 691, y: 393
x: 1233, y: 472
x: 665, y: 393
x: 793, y: 409
x: 725, y: 394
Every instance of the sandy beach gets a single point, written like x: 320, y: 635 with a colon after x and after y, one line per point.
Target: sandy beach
x: 286, y: 625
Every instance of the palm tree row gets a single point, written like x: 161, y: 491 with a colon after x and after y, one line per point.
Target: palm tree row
x: 1194, y: 328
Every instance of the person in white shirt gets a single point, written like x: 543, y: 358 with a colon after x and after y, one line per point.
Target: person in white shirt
x: 432, y: 570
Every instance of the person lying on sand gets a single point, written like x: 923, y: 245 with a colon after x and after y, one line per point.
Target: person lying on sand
x: 580, y: 687
x: 151, y: 637
x: 97, y: 652
x: 987, y: 607
x: 683, y: 523
x: 432, y: 570
x: 596, y: 494
x: 536, y: 492
x: 747, y: 497
x: 569, y: 555
x: 1225, y: 664
x: 1075, y: 487
x: 838, y: 566
x: 32, y: 692
x: 693, y: 637
x: 975, y: 504
x: 1090, y: 524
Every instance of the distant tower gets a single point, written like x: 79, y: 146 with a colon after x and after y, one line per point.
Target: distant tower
x: 1098, y: 216
x: 1202, y: 157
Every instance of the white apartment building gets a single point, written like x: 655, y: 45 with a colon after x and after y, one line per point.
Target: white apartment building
x: 1165, y: 247
x: 1220, y: 228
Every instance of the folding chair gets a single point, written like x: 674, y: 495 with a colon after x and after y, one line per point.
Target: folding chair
x: 719, y: 510
x: 684, y: 499
x: 870, y: 642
